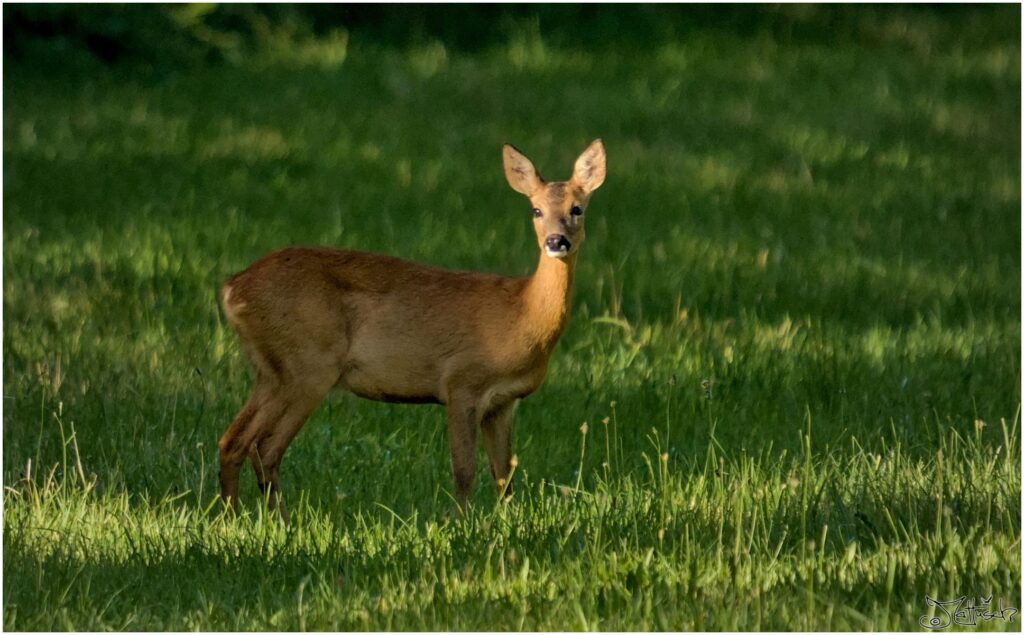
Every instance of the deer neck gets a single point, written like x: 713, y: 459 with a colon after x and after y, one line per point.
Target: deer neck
x: 547, y: 298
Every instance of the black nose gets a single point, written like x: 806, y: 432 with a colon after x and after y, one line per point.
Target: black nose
x: 557, y: 242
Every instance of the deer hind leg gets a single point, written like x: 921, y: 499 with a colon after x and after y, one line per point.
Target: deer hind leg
x: 238, y: 438
x: 291, y: 378
x: 266, y: 454
x: 497, y: 433
x: 306, y: 373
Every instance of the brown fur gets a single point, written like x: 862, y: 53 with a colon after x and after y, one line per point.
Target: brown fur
x: 313, y: 318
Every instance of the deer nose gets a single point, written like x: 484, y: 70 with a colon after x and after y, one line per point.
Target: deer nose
x: 557, y: 243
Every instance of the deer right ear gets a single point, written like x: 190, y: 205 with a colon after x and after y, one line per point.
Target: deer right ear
x: 519, y: 171
x: 590, y: 167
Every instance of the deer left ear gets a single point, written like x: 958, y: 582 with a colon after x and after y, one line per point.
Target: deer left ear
x: 589, y: 171
x: 519, y: 171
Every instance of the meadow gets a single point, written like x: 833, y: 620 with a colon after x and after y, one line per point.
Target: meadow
x: 788, y: 397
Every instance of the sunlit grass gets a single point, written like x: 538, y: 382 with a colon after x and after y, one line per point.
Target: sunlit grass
x: 670, y: 547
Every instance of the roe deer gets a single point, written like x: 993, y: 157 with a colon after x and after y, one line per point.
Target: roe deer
x: 391, y: 330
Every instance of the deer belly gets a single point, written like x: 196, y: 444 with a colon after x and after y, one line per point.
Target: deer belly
x: 392, y: 373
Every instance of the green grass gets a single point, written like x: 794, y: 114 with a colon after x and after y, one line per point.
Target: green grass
x: 795, y: 340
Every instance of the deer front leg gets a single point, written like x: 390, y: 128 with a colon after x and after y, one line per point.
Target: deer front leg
x: 497, y: 429
x: 463, y: 419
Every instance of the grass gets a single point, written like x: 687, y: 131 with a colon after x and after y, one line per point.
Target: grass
x: 788, y: 398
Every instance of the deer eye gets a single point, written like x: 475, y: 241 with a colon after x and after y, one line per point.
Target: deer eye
x: 537, y: 213
x: 576, y: 211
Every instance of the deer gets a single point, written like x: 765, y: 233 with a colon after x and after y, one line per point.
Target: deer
x: 313, y: 319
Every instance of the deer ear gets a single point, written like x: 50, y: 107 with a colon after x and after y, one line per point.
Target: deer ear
x: 589, y: 170
x: 519, y: 171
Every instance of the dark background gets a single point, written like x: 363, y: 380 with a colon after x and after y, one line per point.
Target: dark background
x: 71, y: 37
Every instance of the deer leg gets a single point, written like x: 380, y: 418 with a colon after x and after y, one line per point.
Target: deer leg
x: 266, y: 468
x: 267, y: 453
x: 234, y: 444
x: 497, y: 432
x: 463, y: 419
